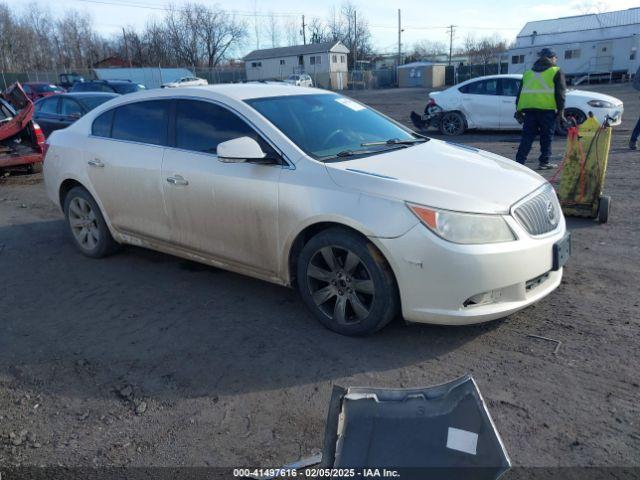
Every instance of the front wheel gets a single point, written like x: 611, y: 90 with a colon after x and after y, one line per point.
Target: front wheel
x: 346, y: 283
x: 574, y: 117
x: 452, y: 123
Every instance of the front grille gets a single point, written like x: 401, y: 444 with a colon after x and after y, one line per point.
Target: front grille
x: 534, y: 282
x: 541, y: 213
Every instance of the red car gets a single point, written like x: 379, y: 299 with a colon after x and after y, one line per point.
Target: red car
x: 36, y: 90
x: 22, y: 142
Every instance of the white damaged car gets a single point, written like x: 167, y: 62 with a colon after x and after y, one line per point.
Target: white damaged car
x: 490, y: 103
x: 307, y: 188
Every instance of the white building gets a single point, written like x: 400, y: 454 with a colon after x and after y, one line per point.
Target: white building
x: 595, y: 45
x: 326, y: 63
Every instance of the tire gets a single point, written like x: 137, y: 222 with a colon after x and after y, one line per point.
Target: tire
x: 604, y: 206
x: 86, y: 224
x: 346, y: 283
x: 452, y: 124
x: 577, y: 115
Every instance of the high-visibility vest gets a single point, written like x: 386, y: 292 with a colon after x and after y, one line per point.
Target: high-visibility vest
x: 538, y: 90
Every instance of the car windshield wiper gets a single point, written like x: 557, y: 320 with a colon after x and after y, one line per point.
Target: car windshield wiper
x: 351, y: 153
x: 396, y: 141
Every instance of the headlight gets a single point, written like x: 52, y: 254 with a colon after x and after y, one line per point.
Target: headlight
x: 467, y: 228
x: 600, y: 104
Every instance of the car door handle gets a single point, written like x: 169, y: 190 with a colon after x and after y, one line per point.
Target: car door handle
x: 177, y: 180
x: 96, y: 163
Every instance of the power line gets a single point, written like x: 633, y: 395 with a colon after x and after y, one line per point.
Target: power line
x: 146, y: 6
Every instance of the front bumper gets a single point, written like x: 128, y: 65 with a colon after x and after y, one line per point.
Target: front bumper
x: 445, y: 283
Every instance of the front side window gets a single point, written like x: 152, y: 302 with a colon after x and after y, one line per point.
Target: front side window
x: 201, y: 126
x: 49, y: 106
x: 510, y: 87
x: 70, y: 107
x: 325, y: 125
x: 144, y: 122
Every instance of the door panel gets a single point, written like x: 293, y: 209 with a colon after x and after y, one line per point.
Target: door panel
x: 124, y: 163
x: 47, y: 116
x: 481, y: 103
x: 226, y: 210
x: 508, y: 93
x: 127, y: 179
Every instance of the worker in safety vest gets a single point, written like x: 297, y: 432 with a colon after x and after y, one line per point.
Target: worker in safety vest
x: 633, y: 143
x: 539, y: 105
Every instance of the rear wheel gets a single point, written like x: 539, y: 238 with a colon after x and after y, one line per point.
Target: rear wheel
x: 452, y: 123
x: 346, y: 283
x: 86, y: 224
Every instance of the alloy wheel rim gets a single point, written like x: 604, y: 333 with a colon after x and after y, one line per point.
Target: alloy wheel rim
x: 84, y: 224
x: 451, y: 124
x: 340, y: 285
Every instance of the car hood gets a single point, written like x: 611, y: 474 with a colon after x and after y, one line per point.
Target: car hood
x: 441, y: 175
x: 586, y: 95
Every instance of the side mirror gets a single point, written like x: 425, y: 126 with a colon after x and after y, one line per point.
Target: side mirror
x: 240, y: 150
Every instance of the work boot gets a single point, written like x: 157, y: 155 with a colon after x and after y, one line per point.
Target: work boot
x: 547, y: 166
x: 633, y: 145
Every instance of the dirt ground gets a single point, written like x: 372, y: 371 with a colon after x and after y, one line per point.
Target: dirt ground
x: 147, y: 360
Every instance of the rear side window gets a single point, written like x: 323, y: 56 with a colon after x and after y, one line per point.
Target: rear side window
x: 102, y: 125
x: 201, y: 126
x: 482, y: 87
x: 144, y: 122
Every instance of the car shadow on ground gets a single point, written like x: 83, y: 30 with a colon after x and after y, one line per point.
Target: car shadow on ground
x: 173, y: 327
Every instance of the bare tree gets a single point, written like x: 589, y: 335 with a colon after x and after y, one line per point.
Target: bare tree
x: 485, y: 50
x: 273, y: 30
x: 426, y: 50
x: 292, y: 33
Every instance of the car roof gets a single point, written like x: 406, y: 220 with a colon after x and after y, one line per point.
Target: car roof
x: 516, y: 76
x: 90, y: 94
x: 236, y: 91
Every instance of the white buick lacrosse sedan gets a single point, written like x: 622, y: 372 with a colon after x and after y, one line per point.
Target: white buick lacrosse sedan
x: 307, y: 188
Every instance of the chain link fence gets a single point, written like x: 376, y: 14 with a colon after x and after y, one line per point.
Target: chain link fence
x: 153, y: 77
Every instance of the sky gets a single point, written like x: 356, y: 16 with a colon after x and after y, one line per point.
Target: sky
x: 421, y: 20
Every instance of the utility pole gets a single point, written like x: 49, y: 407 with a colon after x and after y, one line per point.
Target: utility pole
x: 451, y: 30
x: 399, y: 38
x: 126, y: 47
x: 304, y: 33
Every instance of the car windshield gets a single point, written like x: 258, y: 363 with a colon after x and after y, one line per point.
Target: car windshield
x: 331, y: 127
x: 92, y: 102
x: 41, y: 88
